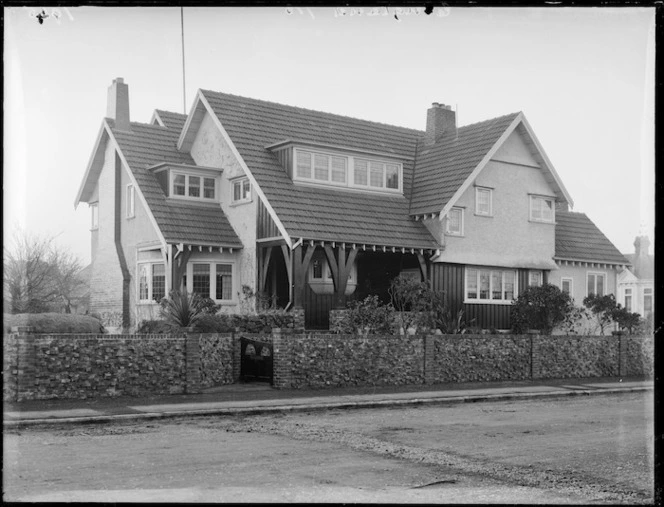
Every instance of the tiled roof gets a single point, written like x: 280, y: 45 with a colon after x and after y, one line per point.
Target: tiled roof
x: 442, y: 168
x: 578, y: 238
x: 172, y: 120
x: 148, y: 145
x: 319, y: 213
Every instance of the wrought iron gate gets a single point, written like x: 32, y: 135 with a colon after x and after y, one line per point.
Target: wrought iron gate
x: 256, y: 360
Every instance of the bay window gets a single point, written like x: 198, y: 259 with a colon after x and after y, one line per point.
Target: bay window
x: 210, y: 280
x: 490, y: 285
x: 151, y: 282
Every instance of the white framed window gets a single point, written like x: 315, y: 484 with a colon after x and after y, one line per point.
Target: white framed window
x: 319, y: 271
x: 595, y: 284
x: 485, y: 285
x: 566, y: 285
x: 347, y: 171
x: 483, y: 201
x: 151, y: 281
x: 628, y: 300
x: 94, y: 216
x: 130, y: 208
x: 542, y: 209
x: 211, y: 279
x: 534, y: 278
x: 241, y: 191
x: 193, y: 186
x: 454, y: 226
x: 647, y: 300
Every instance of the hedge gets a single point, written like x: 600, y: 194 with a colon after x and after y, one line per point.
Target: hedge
x: 54, y: 323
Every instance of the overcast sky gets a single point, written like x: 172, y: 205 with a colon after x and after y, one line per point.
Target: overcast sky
x: 583, y: 77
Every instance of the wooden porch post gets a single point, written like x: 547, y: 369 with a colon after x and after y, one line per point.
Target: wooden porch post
x: 301, y: 260
x: 341, y: 266
x: 264, y: 255
x: 179, y: 269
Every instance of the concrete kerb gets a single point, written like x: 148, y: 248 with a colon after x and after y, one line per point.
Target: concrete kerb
x: 231, y: 411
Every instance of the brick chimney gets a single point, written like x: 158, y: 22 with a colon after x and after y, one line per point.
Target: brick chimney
x: 118, y: 104
x: 440, y: 120
x: 641, y: 246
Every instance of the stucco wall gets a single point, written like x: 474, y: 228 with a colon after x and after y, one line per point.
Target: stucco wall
x: 578, y: 275
x: 210, y: 149
x: 508, y: 238
x: 106, y: 276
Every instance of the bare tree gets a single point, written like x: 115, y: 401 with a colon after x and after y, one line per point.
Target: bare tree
x: 38, y: 275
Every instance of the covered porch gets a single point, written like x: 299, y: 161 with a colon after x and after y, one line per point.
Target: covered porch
x: 318, y: 276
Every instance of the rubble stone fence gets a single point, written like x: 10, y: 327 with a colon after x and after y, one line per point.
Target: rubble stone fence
x: 44, y: 366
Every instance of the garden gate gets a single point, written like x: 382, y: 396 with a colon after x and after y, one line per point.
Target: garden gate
x: 256, y: 360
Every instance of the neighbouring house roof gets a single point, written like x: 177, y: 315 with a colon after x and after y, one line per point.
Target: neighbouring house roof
x: 443, y: 167
x: 318, y: 213
x: 643, y: 267
x: 172, y: 120
x: 191, y: 223
x: 578, y: 238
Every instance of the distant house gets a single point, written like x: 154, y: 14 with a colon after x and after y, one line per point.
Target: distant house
x: 313, y: 209
x: 636, y: 285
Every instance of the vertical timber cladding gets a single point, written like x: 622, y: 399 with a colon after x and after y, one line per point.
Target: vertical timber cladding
x: 265, y: 226
x: 450, y: 279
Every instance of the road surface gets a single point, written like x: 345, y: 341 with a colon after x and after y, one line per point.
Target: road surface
x: 591, y: 449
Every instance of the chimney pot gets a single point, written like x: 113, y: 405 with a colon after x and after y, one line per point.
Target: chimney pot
x: 118, y: 104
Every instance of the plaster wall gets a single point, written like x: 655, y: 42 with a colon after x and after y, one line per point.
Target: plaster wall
x: 507, y: 238
x: 578, y: 274
x: 106, y: 275
x: 210, y: 149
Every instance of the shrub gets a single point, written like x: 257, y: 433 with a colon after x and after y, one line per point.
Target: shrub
x: 182, y: 309
x: 602, y: 307
x: 574, y: 320
x: 54, y: 323
x: 415, y: 302
x: 157, y: 327
x: 368, y: 316
x: 448, y: 323
x: 625, y: 319
x: 542, y: 308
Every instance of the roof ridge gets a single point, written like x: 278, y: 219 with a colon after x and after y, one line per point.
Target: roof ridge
x: 318, y: 111
x: 170, y: 112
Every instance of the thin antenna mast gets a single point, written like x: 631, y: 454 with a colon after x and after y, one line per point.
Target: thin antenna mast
x: 184, y: 91
x: 456, y: 121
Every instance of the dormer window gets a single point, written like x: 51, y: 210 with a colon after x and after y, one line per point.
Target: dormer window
x: 321, y: 168
x: 193, y: 186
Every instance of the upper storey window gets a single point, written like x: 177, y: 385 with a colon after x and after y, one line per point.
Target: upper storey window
x: 192, y: 186
x: 347, y: 171
x: 542, y: 209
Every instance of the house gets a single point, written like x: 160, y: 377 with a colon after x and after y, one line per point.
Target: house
x: 313, y: 209
x: 636, y: 285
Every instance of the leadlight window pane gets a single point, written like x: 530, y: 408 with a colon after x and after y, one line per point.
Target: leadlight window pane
x: 201, y: 280
x: 158, y: 282
x: 246, y: 189
x: 509, y: 285
x: 496, y: 285
x: 360, y: 171
x: 178, y: 184
x: 143, y: 282
x: 600, y: 285
x: 375, y: 174
x: 566, y: 286
x: 591, y: 284
x: 237, y: 191
x: 471, y: 283
x: 303, y: 164
x: 392, y: 176
x: 535, y: 211
x: 224, y: 281
x: 547, y: 210
x: 321, y: 167
x: 485, y: 281
x: 208, y: 188
x: 339, y: 169
x: 454, y: 222
x: 318, y: 270
x: 483, y: 201
x: 194, y: 186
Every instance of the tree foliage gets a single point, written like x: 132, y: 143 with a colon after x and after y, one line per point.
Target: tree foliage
x: 185, y: 310
x: 542, y: 308
x: 603, y: 308
x: 40, y: 276
x: 627, y: 320
x: 416, y: 304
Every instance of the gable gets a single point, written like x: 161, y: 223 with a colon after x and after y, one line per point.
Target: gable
x: 514, y: 150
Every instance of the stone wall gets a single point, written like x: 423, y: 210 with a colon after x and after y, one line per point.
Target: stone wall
x: 576, y: 356
x: 476, y: 358
x: 218, y: 355
x: 332, y: 360
x: 639, y: 355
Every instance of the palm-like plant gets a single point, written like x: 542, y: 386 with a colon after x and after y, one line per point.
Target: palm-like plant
x: 182, y: 309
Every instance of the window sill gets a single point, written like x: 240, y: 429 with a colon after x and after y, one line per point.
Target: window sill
x: 452, y: 235
x: 483, y: 215
x: 131, y: 217
x: 486, y: 302
x: 148, y: 303
x: 239, y: 203
x: 548, y: 222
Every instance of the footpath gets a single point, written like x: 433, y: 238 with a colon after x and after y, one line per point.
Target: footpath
x: 256, y: 398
